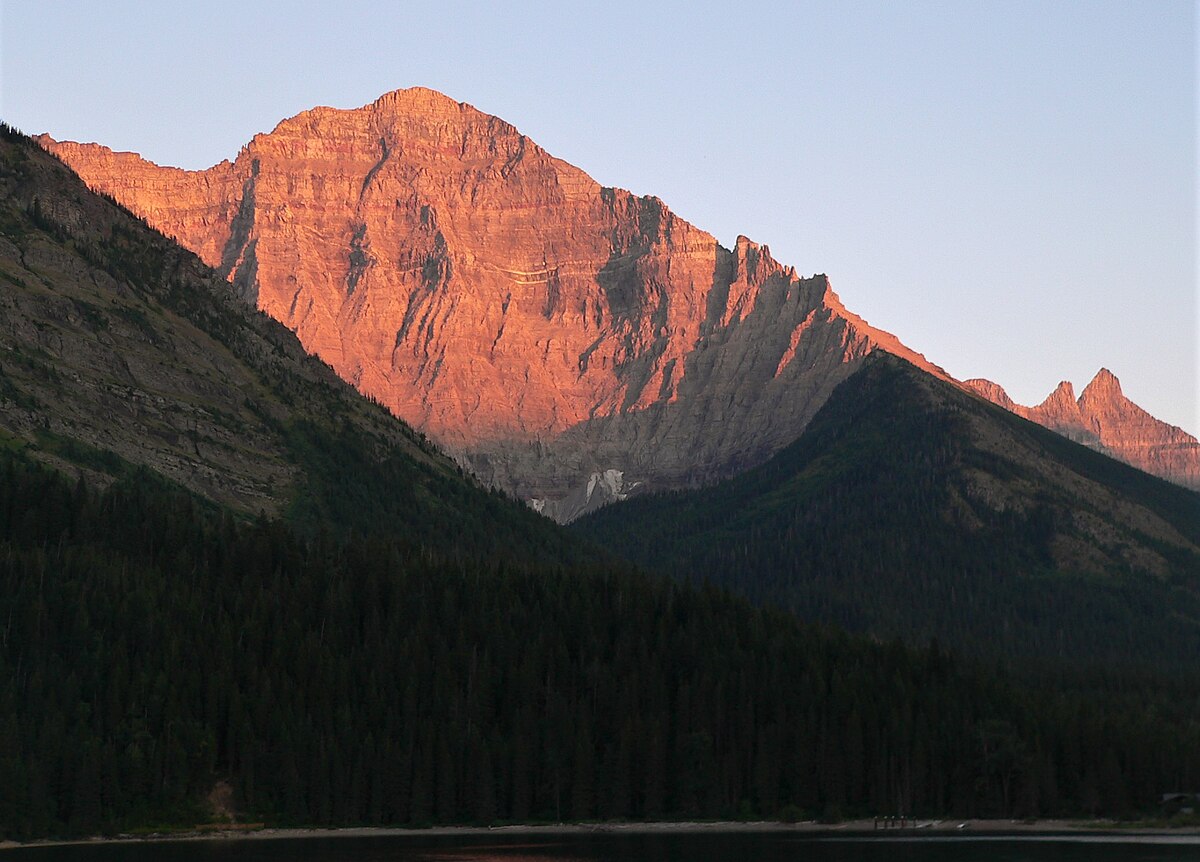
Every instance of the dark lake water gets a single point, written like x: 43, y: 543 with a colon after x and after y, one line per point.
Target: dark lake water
x: 740, y: 847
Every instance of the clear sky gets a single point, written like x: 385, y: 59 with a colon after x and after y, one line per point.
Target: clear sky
x: 1008, y: 186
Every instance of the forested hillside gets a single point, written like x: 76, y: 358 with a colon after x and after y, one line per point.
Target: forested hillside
x: 152, y: 645
x: 910, y: 508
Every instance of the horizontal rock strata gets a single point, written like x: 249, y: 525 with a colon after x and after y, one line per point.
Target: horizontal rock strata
x: 540, y: 327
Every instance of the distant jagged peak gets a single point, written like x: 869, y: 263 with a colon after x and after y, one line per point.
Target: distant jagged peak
x: 1061, y: 408
x: 1104, y: 418
x: 1113, y: 416
x: 1104, y: 386
x: 1063, y: 392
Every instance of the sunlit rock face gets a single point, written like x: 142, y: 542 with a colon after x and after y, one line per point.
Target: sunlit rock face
x: 540, y: 327
x: 1103, y: 418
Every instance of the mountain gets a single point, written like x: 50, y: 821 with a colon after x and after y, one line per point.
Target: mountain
x: 118, y: 348
x: 1104, y: 419
x: 910, y: 508
x: 553, y: 334
x: 577, y: 345
x: 386, y: 643
x: 570, y: 343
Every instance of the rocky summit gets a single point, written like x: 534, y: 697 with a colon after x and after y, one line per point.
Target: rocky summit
x: 1107, y: 421
x: 569, y: 342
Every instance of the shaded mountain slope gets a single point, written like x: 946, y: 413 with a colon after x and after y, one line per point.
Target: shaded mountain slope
x: 911, y: 508
x: 119, y: 347
x: 541, y: 327
x: 1107, y: 421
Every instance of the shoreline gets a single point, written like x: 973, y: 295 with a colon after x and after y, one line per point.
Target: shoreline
x: 862, y: 828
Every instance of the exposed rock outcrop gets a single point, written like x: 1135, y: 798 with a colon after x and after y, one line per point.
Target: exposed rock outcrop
x: 1104, y: 419
x: 540, y: 327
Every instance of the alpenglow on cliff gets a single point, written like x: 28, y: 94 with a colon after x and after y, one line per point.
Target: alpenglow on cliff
x: 537, y: 325
x: 567, y: 341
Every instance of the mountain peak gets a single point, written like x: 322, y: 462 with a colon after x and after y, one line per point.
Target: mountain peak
x: 421, y: 101
x: 1060, y: 411
x: 417, y: 95
x: 407, y: 100
x: 539, y: 326
x: 1063, y: 394
x: 1105, y: 383
x: 415, y: 117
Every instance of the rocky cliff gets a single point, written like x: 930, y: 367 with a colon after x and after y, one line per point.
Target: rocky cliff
x: 120, y: 350
x: 569, y: 342
x: 1104, y: 419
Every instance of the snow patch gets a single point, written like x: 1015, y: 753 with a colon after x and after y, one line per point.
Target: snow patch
x: 600, y: 489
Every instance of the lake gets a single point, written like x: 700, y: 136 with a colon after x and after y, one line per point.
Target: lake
x: 607, y: 847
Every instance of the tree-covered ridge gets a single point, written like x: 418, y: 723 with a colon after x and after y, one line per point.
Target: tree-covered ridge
x: 152, y: 645
x: 909, y: 508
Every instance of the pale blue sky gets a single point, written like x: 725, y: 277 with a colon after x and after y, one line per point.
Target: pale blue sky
x: 1008, y: 186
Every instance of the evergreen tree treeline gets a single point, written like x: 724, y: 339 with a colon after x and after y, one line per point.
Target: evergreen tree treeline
x: 882, y: 518
x: 151, y: 645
